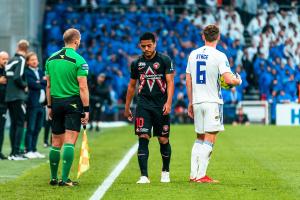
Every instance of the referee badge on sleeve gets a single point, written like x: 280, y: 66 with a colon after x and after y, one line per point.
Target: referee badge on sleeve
x: 85, y: 66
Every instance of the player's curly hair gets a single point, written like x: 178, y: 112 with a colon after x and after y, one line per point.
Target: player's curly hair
x: 211, y: 33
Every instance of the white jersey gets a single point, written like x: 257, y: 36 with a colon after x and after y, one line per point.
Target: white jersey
x: 205, y: 65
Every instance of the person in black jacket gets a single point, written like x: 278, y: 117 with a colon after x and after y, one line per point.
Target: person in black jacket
x: 15, y: 97
x: 35, y: 104
x: 3, y: 60
x: 241, y: 117
x: 99, y: 94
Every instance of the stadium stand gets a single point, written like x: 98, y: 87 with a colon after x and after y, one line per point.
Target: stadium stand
x: 261, y: 40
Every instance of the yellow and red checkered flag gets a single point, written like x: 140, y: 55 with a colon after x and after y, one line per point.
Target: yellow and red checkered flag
x: 84, y: 160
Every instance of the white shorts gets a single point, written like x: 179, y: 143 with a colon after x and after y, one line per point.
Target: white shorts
x: 208, y: 117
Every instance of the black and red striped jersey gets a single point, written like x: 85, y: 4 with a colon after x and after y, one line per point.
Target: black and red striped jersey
x: 152, y: 90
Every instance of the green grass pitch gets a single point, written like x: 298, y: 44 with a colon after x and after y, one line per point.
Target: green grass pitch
x: 255, y: 162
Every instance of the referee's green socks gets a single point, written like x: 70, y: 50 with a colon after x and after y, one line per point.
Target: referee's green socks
x: 54, y: 157
x: 68, y: 157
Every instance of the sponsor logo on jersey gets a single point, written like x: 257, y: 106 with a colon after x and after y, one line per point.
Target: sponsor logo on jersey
x: 149, y: 74
x: 156, y: 65
x: 141, y: 64
x: 151, y: 77
x: 74, y: 105
x: 62, y: 56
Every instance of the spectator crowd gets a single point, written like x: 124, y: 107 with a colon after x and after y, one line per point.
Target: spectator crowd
x: 261, y: 40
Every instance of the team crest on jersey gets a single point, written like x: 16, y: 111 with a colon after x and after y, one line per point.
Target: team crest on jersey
x: 156, y: 65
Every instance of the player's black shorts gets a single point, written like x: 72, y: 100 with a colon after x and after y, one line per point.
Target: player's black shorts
x: 146, y: 118
x: 66, y: 114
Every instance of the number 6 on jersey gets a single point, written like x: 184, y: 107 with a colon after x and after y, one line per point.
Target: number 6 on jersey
x: 201, y: 73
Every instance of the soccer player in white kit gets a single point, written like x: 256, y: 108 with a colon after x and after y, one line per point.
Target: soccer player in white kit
x: 205, y: 66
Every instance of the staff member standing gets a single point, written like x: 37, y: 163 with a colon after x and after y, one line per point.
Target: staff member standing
x: 35, y: 105
x: 3, y: 60
x: 67, y: 96
x: 16, y: 95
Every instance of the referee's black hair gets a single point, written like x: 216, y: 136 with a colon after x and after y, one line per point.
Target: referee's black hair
x: 148, y: 36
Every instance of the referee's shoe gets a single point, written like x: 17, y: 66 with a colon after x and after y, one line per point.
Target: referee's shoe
x: 68, y: 183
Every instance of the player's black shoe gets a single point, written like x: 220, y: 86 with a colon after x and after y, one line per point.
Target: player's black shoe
x: 53, y: 182
x: 2, y: 157
x: 68, y: 183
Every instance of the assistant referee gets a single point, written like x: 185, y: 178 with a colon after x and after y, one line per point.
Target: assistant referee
x: 67, y: 97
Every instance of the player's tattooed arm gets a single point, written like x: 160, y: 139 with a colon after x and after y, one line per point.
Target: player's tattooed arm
x: 129, y: 96
x: 170, y: 89
x: 189, y: 93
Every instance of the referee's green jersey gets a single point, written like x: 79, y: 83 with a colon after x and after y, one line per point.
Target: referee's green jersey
x: 63, y: 68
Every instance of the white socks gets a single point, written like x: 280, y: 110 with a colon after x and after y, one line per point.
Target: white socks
x: 200, y: 158
x: 194, y: 158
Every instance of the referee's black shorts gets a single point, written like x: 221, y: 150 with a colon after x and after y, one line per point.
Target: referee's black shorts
x: 148, y: 118
x: 66, y: 114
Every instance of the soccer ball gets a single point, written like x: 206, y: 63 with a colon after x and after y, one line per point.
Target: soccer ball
x: 225, y: 85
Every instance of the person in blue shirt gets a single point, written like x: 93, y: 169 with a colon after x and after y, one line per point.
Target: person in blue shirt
x: 283, y: 97
x: 92, y: 63
x: 276, y: 85
x: 54, y: 32
x: 51, y: 48
x: 259, y: 63
x: 242, y: 88
x: 265, y: 82
x: 291, y: 87
x: 226, y: 96
x: 234, y: 96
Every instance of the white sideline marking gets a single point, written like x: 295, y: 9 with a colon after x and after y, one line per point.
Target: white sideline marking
x: 99, y: 193
x: 9, y: 176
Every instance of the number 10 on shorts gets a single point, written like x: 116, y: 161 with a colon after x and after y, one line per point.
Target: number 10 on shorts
x: 139, y: 121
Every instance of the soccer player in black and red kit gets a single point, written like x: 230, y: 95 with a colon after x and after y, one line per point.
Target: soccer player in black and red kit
x: 155, y: 74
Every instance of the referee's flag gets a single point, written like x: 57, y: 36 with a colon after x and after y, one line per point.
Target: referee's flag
x: 84, y: 160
